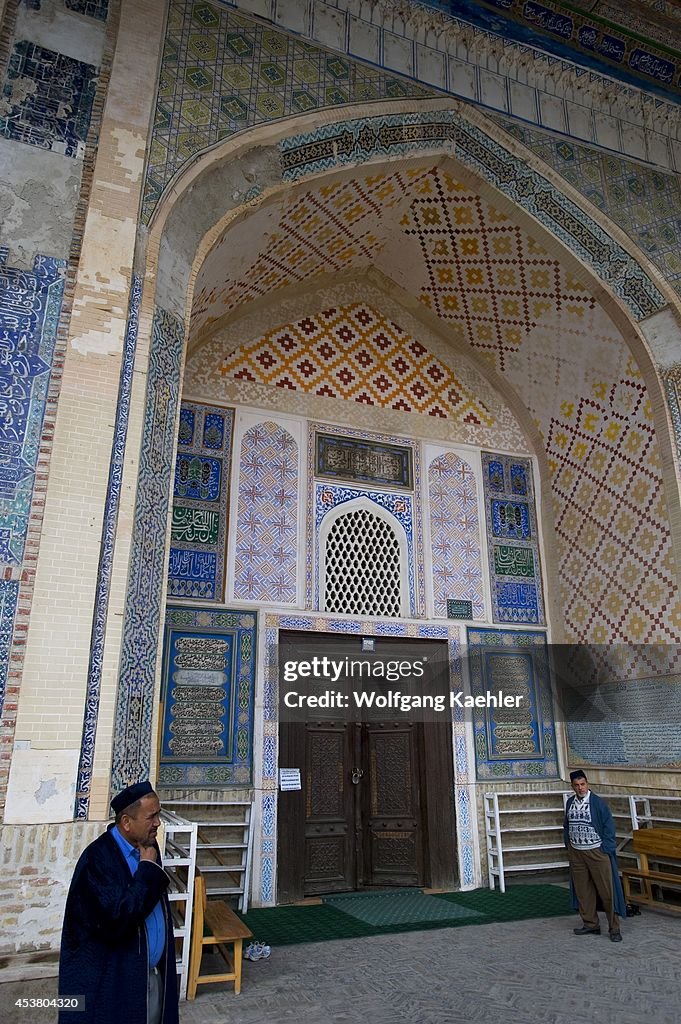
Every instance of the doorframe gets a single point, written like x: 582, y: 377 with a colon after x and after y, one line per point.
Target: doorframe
x: 264, y: 878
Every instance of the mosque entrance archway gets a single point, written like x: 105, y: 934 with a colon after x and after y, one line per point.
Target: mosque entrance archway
x: 376, y: 804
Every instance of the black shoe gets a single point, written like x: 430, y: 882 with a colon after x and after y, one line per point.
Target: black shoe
x: 615, y: 936
x: 588, y: 931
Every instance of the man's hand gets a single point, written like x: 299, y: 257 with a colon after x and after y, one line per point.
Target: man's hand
x: 147, y: 853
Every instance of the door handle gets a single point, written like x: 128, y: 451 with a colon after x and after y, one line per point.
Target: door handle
x: 357, y: 774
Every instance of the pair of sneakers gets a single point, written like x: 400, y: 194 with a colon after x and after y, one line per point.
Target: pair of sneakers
x: 257, y: 951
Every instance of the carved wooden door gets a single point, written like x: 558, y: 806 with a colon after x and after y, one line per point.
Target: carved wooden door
x: 362, y: 807
x: 391, y: 806
x: 375, y: 807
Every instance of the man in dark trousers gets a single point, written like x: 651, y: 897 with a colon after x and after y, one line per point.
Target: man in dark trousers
x: 589, y: 832
x: 117, y: 948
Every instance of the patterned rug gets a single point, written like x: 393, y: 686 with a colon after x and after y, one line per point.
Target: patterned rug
x: 355, y: 915
x: 385, y: 910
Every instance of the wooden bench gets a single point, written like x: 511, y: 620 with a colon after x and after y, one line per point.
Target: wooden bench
x: 658, y: 844
x: 215, y: 924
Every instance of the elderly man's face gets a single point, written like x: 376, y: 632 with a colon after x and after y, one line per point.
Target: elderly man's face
x: 140, y: 827
x: 580, y: 786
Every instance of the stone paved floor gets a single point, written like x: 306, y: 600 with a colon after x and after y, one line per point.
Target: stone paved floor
x: 525, y: 972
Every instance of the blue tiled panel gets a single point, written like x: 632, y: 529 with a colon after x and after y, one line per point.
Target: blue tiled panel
x: 512, y: 540
x: 518, y: 743
x: 30, y: 304
x: 208, y: 679
x: 200, y: 503
x: 49, y: 99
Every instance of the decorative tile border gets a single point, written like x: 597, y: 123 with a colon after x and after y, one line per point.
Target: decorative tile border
x: 598, y: 42
x: 9, y: 593
x: 498, y: 754
x: 104, y: 572
x: 350, y: 143
x: 196, y: 564
x: 465, y: 824
x: 238, y: 630
x: 132, y: 733
x: 512, y: 540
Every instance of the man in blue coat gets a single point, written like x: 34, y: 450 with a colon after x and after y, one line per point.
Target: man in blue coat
x: 118, y: 949
x: 589, y: 832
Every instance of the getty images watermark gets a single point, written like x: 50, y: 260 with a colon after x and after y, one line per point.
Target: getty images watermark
x: 405, y: 685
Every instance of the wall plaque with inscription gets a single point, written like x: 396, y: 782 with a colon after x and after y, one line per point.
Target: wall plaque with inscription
x: 345, y: 458
x: 459, y: 609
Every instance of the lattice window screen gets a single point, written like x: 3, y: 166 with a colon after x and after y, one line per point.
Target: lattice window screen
x: 363, y: 566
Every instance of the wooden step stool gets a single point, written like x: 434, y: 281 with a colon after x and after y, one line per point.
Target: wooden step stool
x: 215, y: 924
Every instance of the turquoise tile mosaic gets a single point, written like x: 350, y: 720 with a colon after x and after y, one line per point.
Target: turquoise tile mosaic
x: 222, y: 73
x: 643, y: 202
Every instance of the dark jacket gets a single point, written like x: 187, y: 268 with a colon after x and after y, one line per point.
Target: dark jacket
x: 604, y: 824
x: 104, y: 954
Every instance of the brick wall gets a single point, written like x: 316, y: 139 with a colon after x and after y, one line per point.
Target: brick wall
x: 36, y: 864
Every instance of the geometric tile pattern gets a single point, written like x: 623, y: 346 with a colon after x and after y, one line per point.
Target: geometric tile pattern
x: 643, y: 202
x: 446, y: 131
x: 398, y: 506
x: 332, y: 229
x: 221, y: 73
x: 512, y: 539
x: 207, y: 690
x: 132, y: 734
x: 529, y: 286
x: 522, y: 744
x: 50, y: 99
x: 357, y: 354
x: 30, y: 305
x: 455, y: 534
x: 200, y: 502
x: 483, y: 271
x: 617, y: 564
x: 9, y: 592
x: 105, y: 570
x: 266, y: 548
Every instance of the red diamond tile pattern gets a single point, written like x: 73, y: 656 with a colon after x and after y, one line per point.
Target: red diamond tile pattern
x: 357, y: 354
